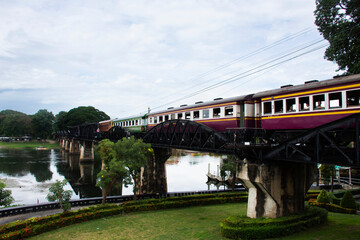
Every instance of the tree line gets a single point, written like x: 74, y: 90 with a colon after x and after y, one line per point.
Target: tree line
x: 44, y: 124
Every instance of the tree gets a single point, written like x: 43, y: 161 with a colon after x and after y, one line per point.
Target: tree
x: 5, y: 196
x: 57, y: 193
x: 327, y: 172
x: 14, y: 124
x: 228, y: 168
x: 81, y: 115
x: 42, y: 123
x: 134, y: 153
x: 59, y: 122
x: 339, y: 23
x: 113, y: 170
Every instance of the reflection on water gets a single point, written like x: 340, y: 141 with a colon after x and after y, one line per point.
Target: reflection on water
x: 29, y: 173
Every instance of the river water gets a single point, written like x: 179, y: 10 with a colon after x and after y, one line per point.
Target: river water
x: 29, y: 174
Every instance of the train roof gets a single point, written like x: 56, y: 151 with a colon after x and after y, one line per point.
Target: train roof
x: 207, y: 103
x: 313, y: 84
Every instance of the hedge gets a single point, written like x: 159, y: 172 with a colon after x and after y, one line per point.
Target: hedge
x: 248, y: 228
x: 35, y: 226
x: 332, y: 207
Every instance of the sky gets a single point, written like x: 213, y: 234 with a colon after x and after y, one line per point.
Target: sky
x: 125, y: 56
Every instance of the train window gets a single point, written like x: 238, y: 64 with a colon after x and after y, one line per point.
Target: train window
x: 304, y: 104
x: 267, y: 107
x: 206, y: 113
x: 353, y: 98
x: 180, y: 115
x: 335, y: 100
x: 132, y: 123
x: 187, y: 115
x: 155, y: 119
x: 166, y: 117
x: 319, y: 102
x: 290, y: 105
x: 279, y: 108
x: 196, y: 114
x: 216, y: 112
x: 172, y: 116
x: 150, y: 120
x: 229, y: 111
x: 160, y: 119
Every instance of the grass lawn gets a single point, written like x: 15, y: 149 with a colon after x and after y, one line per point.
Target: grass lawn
x: 190, y: 223
x: 32, y: 144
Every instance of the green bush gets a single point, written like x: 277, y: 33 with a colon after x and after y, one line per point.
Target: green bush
x: 323, y: 197
x: 348, y: 201
x: 333, y: 208
x: 248, y: 228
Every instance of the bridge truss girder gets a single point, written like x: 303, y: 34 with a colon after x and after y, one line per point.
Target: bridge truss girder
x: 333, y: 143
x: 185, y: 134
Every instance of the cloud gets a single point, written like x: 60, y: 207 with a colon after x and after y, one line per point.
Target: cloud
x: 123, y: 56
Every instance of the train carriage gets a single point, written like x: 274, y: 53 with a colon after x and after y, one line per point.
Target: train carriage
x: 134, y: 124
x: 311, y: 104
x: 219, y: 114
x: 105, y: 125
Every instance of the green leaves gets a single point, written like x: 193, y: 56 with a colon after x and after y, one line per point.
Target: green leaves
x: 339, y: 23
x: 5, y: 195
x: 57, y: 193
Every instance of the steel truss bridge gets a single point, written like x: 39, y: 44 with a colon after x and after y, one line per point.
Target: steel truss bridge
x: 333, y: 143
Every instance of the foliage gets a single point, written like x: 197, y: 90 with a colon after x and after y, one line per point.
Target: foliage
x: 134, y: 153
x: 339, y: 23
x: 228, y: 168
x: 331, y: 207
x: 236, y: 227
x: 14, y: 124
x: 348, y: 201
x: 113, y: 171
x: 5, y: 195
x: 59, y: 121
x: 327, y: 171
x: 57, y: 193
x: 323, y: 197
x: 42, y: 123
x: 80, y: 115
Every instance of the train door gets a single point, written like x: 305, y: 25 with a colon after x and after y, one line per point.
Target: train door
x: 242, y: 115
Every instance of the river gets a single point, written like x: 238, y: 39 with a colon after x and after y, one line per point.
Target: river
x: 29, y: 173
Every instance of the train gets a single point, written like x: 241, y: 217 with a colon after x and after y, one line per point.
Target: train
x: 289, y: 107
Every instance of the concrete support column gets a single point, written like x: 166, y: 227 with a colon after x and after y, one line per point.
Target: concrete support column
x: 86, y: 151
x: 74, y: 147
x: 63, y: 143
x: 276, y: 189
x: 153, y: 176
x: 67, y: 145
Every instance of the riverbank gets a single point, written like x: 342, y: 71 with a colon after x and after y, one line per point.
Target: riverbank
x: 49, y: 144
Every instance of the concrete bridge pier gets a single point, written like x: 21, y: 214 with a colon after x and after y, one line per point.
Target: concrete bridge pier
x: 74, y: 147
x: 276, y: 189
x: 153, y: 176
x: 63, y: 143
x: 86, y: 151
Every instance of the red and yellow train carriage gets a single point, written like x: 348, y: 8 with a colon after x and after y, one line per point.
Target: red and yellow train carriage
x: 311, y: 104
x: 304, y: 106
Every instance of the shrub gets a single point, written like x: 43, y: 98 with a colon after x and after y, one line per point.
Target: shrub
x: 348, y: 201
x: 249, y: 228
x: 323, y: 197
x: 332, y: 207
